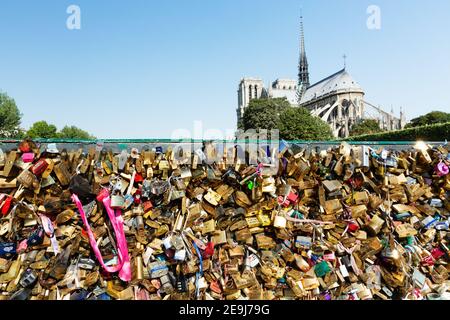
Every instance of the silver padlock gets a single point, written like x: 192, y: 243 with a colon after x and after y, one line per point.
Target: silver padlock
x: 86, y: 263
x: 146, y: 189
x: 158, y: 269
x: 123, y: 158
x: 117, y: 201
x: 177, y: 242
x: 128, y: 201
x: 166, y: 284
x: 159, y: 187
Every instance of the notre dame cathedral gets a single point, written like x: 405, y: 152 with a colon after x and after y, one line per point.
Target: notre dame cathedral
x: 337, y: 99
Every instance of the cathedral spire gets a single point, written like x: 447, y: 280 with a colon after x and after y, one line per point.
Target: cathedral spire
x: 303, y: 70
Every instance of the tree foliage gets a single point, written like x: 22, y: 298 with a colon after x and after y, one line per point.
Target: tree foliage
x: 430, y: 118
x: 299, y: 124
x: 73, y: 132
x: 264, y: 113
x: 42, y: 129
x: 293, y: 123
x: 366, y: 126
x: 10, y: 117
x: 435, y: 132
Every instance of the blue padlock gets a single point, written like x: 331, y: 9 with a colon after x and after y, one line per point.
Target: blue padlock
x: 128, y: 201
x: 36, y: 238
x: 7, y: 249
x: 104, y: 296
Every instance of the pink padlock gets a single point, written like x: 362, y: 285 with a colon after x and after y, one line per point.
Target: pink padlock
x: 329, y: 256
x: 28, y: 157
x: 104, y: 193
x: 292, y: 197
x: 442, y: 169
x: 283, y: 202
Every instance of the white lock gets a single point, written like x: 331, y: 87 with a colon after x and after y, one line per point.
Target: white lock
x: 180, y: 255
x: 365, y: 156
x: 167, y: 242
x: 344, y: 271
x: 252, y: 260
x: 123, y: 157
x: 147, y: 254
x: 280, y: 222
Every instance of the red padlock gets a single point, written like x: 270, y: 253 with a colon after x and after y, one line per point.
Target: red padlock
x: 353, y: 227
x: 292, y: 197
x: 84, y: 234
x: 428, y: 261
x: 147, y: 206
x: 209, y: 251
x: 25, y: 146
x: 39, y: 167
x: 285, y: 203
x: 6, y: 206
x: 138, y: 177
x: 215, y: 287
x: 437, y: 253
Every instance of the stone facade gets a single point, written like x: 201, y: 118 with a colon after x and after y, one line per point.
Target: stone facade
x: 249, y: 88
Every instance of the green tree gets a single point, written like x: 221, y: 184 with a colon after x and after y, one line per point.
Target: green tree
x: 264, y: 114
x: 9, y: 117
x: 366, y: 126
x: 42, y: 129
x: 430, y: 118
x: 73, y: 132
x: 299, y: 124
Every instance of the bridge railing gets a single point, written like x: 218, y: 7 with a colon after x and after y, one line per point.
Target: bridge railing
x: 117, y: 145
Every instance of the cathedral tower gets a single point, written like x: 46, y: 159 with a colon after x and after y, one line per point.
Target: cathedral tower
x: 303, y: 70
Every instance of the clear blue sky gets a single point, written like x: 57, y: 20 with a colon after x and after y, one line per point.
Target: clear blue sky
x: 143, y: 68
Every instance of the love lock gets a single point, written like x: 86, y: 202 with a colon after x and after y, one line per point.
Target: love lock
x: 159, y: 187
x: 123, y: 158
x: 117, y: 200
x: 28, y: 278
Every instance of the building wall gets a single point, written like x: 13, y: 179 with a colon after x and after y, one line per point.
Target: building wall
x: 249, y: 88
x: 340, y: 110
x: 285, y: 84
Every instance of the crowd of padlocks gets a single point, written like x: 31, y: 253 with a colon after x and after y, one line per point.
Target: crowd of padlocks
x: 347, y: 223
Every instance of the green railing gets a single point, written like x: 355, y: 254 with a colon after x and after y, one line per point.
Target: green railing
x: 117, y: 145
x: 134, y: 141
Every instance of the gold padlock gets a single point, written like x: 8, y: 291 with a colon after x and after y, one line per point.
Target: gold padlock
x: 375, y: 225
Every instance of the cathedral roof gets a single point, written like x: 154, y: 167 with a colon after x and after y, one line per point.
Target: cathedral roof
x: 289, y: 94
x: 341, y: 81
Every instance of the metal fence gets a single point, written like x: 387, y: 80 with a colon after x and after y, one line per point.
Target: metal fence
x: 117, y: 145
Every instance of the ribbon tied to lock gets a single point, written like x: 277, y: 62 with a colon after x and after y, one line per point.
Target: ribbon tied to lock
x: 352, y: 258
x: 50, y: 231
x: 123, y: 266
